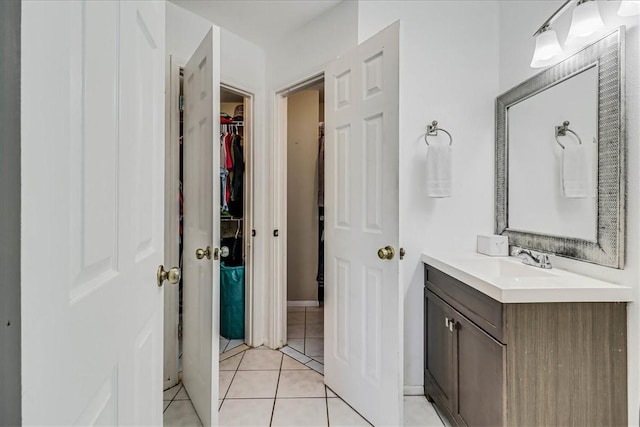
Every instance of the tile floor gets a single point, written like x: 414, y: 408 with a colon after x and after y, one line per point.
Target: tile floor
x: 305, y: 336
x: 262, y: 387
x: 226, y: 345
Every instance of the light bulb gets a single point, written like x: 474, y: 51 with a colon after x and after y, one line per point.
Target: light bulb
x: 547, y: 47
x: 586, y: 20
x: 629, y: 8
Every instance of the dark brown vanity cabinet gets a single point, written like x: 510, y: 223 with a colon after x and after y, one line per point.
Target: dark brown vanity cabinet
x: 493, y: 364
x: 464, y: 366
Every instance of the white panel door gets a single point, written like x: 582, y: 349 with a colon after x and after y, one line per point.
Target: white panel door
x: 92, y: 212
x: 201, y: 277
x: 363, y: 316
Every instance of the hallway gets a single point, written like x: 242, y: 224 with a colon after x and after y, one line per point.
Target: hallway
x: 263, y: 387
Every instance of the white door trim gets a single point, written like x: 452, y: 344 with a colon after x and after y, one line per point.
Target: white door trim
x: 277, y: 306
x: 251, y: 323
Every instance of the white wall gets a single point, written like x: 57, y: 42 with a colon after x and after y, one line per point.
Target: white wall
x: 302, y: 190
x: 449, y: 73
x: 306, y: 52
x: 518, y: 20
x: 185, y: 31
x: 242, y: 65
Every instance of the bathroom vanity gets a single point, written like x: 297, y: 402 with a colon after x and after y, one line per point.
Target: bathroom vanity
x: 509, y: 344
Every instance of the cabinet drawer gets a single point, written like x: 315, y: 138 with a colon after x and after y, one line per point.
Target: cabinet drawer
x: 482, y: 310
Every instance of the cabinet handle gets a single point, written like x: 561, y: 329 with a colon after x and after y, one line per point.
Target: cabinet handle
x: 451, y: 324
x: 446, y: 322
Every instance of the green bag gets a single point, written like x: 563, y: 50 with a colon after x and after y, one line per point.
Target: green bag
x: 232, y: 301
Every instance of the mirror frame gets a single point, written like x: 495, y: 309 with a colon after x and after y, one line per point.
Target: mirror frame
x: 608, y: 248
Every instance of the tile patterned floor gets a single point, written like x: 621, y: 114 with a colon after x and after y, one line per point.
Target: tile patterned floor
x: 226, y: 345
x: 305, y: 336
x: 262, y: 387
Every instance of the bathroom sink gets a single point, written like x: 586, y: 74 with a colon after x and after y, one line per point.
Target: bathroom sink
x: 508, y: 280
x: 496, y: 267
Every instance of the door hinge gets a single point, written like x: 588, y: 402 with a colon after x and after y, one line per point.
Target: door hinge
x: 181, y: 103
x: 180, y: 330
x: 253, y: 233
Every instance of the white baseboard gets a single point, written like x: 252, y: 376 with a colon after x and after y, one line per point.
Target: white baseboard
x: 413, y: 390
x: 303, y: 304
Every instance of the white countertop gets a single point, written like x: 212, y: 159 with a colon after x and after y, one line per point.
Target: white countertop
x: 507, y: 280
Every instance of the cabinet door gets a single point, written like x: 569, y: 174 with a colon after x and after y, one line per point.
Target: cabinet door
x: 480, y: 379
x: 438, y: 350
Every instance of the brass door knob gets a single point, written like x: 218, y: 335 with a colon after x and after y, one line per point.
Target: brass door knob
x: 173, y: 275
x: 201, y: 253
x: 386, y: 253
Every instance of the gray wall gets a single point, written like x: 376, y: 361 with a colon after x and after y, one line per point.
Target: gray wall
x: 10, y: 390
x: 302, y: 195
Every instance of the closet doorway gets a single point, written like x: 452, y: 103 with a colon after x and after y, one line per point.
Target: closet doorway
x: 305, y: 223
x: 234, y: 175
x: 236, y: 178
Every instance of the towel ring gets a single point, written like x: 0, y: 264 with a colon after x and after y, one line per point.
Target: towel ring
x: 432, y: 130
x: 562, y: 131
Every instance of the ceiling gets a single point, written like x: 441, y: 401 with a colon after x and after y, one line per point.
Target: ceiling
x: 259, y: 21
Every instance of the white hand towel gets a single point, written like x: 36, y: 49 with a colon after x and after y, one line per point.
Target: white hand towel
x: 438, y: 178
x: 576, y: 171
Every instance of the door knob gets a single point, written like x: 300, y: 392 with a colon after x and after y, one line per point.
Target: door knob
x: 201, y: 253
x: 224, y: 252
x: 386, y: 253
x: 173, y: 275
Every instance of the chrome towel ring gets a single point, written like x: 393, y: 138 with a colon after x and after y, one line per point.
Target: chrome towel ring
x: 562, y: 131
x: 432, y: 130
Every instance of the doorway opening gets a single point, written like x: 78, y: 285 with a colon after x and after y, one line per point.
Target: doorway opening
x: 305, y: 222
x: 235, y: 216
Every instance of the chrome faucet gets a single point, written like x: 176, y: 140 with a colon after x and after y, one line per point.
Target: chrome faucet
x: 530, y: 258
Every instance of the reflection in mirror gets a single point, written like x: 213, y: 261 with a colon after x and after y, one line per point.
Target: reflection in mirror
x: 552, y: 190
x: 568, y: 201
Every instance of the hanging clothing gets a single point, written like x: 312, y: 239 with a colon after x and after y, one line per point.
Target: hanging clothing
x: 223, y: 189
x: 227, y: 192
x: 227, y: 146
x: 320, y: 171
x: 223, y: 152
x: 236, y: 205
x: 320, y: 174
x: 320, y: 274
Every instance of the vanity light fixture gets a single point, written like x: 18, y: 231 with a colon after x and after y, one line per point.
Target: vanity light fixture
x: 629, y: 8
x: 585, y: 21
x: 547, y: 46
